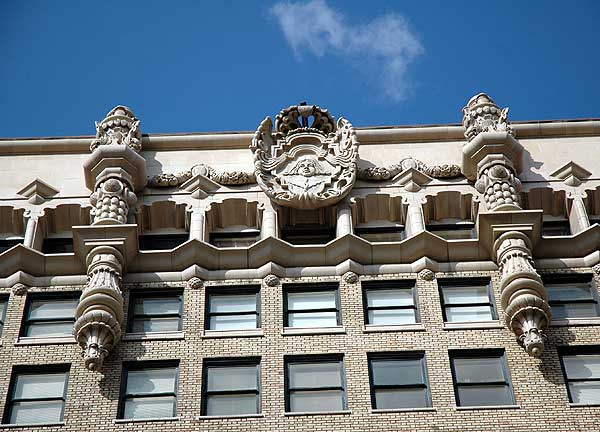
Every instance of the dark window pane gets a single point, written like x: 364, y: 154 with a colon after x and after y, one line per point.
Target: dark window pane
x: 57, y: 245
x: 401, y: 398
x: 569, y: 291
x: 315, y: 375
x: 232, y: 378
x: 232, y: 404
x: 397, y: 372
x: 149, y: 407
x: 485, y: 395
x: 162, y: 241
x: 7, y: 244
x: 311, y: 401
x: 585, y: 392
x: 478, y: 369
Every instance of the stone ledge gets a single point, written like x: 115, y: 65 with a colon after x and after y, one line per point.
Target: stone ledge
x: 403, y: 410
x: 473, y: 325
x: 28, y: 340
x: 584, y: 405
x: 484, y: 407
x: 217, y: 334
x: 292, y: 331
x: 594, y: 321
x: 374, y: 328
x: 233, y: 416
x: 175, y: 335
x: 30, y: 425
x: 311, y: 413
x: 145, y: 420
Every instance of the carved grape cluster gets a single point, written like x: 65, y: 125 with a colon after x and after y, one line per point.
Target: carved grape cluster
x: 112, y: 200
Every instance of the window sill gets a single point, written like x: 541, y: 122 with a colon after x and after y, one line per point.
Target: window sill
x: 593, y: 321
x: 30, y: 425
x: 305, y: 331
x: 473, y: 325
x: 488, y: 407
x: 212, y: 334
x: 144, y: 420
x: 375, y: 328
x: 50, y: 340
x: 232, y: 416
x: 311, y: 413
x: 584, y: 405
x: 402, y: 410
x: 169, y: 335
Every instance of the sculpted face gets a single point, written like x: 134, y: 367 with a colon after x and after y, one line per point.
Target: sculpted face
x: 307, y: 167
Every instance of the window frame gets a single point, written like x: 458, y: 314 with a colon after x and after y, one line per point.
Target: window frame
x: 312, y: 287
x: 482, y: 353
x: 559, y: 279
x: 312, y: 359
x: 306, y: 233
x: 228, y: 291
x: 398, y: 356
x: 399, y: 284
x: 141, y: 365
x: 139, y: 293
x: 448, y: 226
x: 224, y: 235
x: 394, y: 229
x: 469, y: 282
x: 565, y: 351
x: 61, y: 295
x: 4, y: 298
x: 176, y: 238
x: 230, y: 362
x: 35, y: 370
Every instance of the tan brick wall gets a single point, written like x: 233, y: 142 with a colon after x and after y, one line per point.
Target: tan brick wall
x: 538, y: 384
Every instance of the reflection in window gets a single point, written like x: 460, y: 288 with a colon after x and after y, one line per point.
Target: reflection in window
x: 582, y: 375
x: 572, y: 296
x: 390, y: 302
x: 312, y: 306
x: 399, y: 380
x: 50, y: 315
x: 315, y: 383
x: 155, y: 312
x: 467, y: 300
x: 149, y: 390
x: 35, y: 397
x: 233, y: 308
x: 231, y: 387
x: 481, y: 378
x: 552, y: 228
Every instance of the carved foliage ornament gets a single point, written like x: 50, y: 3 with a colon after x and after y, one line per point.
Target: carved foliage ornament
x: 120, y: 127
x: 483, y: 115
x: 305, y: 164
x: 386, y: 173
x: 227, y: 178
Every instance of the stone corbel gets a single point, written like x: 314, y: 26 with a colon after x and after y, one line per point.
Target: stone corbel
x: 100, y: 311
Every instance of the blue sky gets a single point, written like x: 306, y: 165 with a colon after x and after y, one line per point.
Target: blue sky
x: 194, y: 66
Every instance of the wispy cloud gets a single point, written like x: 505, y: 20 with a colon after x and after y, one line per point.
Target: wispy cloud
x: 384, y: 46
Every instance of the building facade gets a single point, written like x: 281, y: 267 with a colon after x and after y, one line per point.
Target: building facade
x: 309, y: 276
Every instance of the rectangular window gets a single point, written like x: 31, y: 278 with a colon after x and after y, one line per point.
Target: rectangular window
x: 305, y: 234
x: 467, y: 300
x: 453, y: 231
x: 390, y: 302
x: 149, y: 390
x: 152, y: 311
x: 233, y: 308
x: 307, y: 306
x: 36, y: 397
x: 581, y: 369
x: 50, y: 315
x: 481, y: 378
x: 552, y: 228
x: 378, y: 234
x: 572, y: 296
x: 3, y: 307
x: 57, y: 245
x: 231, y: 387
x: 162, y: 241
x: 398, y: 380
x: 315, y: 383
x: 227, y: 239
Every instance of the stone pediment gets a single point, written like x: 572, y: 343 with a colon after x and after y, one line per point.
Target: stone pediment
x: 37, y: 191
x: 571, y: 174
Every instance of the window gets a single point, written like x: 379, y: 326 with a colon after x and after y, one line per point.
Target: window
x: 233, y: 308
x: 467, y: 300
x: 308, y: 306
x: 57, y: 245
x: 398, y: 380
x: 3, y: 307
x: 315, y: 383
x: 572, y: 296
x: 304, y: 234
x: 234, y: 238
x: 481, y: 378
x: 582, y: 375
x: 50, y: 315
x: 35, y: 397
x: 6, y: 244
x: 552, y: 228
x: 155, y: 312
x: 453, y: 231
x: 162, y: 241
x: 231, y: 387
x: 149, y: 390
x: 390, y: 302
x: 377, y: 234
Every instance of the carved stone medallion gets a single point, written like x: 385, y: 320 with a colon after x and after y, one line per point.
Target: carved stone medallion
x: 305, y: 164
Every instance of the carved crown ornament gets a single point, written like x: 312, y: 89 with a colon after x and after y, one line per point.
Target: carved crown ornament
x: 483, y: 115
x: 308, y: 161
x: 120, y: 126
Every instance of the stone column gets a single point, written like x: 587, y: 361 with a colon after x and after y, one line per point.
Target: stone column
x: 415, y: 219
x: 578, y: 217
x: 31, y: 228
x: 269, y: 224
x: 523, y: 296
x: 197, y: 228
x: 344, y: 220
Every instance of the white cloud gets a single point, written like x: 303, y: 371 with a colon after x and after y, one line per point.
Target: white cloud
x: 384, y: 46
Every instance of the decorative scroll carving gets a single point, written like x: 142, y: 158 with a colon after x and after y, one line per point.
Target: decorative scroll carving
x: 271, y: 280
x: 483, y: 115
x: 386, y: 173
x: 350, y: 277
x: 120, y: 127
x: 111, y: 200
x: 523, y: 295
x: 499, y: 184
x: 226, y: 178
x: 303, y: 164
x: 100, y: 310
x: 427, y: 275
